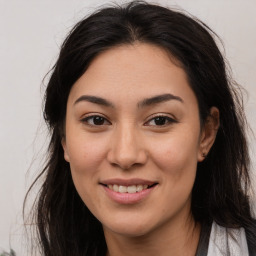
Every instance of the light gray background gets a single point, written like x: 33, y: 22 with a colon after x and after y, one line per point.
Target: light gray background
x: 30, y: 35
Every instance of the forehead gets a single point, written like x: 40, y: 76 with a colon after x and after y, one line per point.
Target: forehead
x: 133, y: 71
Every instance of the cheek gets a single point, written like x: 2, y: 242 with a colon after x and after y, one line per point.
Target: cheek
x: 86, y: 158
x: 178, y: 153
x: 85, y: 152
x: 177, y: 160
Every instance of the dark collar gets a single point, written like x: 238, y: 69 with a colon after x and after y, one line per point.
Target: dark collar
x: 202, y: 248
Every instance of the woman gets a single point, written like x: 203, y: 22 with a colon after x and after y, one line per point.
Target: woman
x: 148, y: 154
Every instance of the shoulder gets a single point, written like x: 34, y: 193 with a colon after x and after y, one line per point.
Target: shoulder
x: 229, y: 241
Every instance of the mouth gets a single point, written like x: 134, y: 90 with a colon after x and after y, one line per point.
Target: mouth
x: 131, y: 189
x: 127, y: 192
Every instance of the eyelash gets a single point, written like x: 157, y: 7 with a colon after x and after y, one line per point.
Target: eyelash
x: 93, y: 117
x: 167, y: 120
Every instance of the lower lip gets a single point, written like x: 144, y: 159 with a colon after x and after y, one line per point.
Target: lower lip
x: 128, y: 198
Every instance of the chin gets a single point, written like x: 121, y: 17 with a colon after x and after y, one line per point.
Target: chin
x: 130, y: 231
x: 130, y: 227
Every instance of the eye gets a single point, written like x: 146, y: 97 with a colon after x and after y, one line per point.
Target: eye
x: 95, y: 120
x: 160, y: 121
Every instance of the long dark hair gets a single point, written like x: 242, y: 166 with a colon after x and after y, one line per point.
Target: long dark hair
x: 65, y: 225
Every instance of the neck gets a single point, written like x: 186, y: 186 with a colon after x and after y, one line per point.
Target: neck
x: 171, y: 239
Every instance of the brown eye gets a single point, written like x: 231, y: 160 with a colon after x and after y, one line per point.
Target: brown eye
x: 160, y: 121
x: 96, y: 120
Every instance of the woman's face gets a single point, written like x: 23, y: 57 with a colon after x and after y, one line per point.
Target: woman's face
x: 133, y: 140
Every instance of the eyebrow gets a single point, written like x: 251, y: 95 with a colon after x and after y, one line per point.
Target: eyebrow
x: 144, y: 103
x: 158, y: 99
x: 94, y: 99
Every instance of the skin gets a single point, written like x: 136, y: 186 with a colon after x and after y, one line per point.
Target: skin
x: 129, y: 144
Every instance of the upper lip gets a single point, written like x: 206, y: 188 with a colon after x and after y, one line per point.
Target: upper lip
x: 127, y: 182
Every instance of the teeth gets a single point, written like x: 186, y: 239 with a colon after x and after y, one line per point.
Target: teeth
x: 127, y: 189
x: 131, y: 189
x: 115, y: 188
x: 139, y: 188
x: 122, y: 189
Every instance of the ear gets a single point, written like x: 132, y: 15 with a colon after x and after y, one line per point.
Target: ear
x: 208, y: 133
x: 64, y: 146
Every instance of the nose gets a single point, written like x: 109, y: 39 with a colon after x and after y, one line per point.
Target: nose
x: 126, y: 149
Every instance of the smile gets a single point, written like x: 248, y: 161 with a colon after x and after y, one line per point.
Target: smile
x: 127, y: 189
